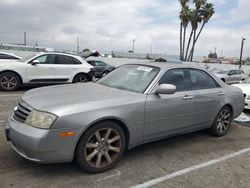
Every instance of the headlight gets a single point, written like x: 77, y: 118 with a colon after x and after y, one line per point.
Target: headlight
x: 41, y: 120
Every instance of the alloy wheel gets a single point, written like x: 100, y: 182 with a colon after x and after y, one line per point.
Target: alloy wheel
x: 8, y: 82
x: 103, y: 147
x: 223, y: 121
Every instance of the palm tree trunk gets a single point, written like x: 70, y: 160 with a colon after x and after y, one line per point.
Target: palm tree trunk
x: 189, y: 41
x: 181, y: 52
x: 184, y: 41
x: 193, y: 46
x: 192, y: 50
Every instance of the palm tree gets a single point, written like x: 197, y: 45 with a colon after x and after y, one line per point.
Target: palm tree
x: 207, y: 11
x: 184, y: 16
x: 192, y: 18
x: 183, y: 5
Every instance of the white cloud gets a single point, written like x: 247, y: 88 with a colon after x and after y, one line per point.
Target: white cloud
x: 112, y: 25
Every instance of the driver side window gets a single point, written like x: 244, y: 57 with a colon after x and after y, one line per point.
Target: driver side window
x: 45, y: 59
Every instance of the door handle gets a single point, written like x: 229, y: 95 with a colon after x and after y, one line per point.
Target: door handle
x: 187, y: 97
x: 221, y: 93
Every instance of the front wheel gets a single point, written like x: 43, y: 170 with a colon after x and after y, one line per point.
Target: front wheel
x: 222, y: 122
x: 9, y: 81
x: 101, y: 147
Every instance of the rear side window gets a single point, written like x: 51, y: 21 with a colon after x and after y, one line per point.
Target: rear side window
x: 99, y: 63
x: 66, y: 60
x: 177, y: 77
x: 201, y: 80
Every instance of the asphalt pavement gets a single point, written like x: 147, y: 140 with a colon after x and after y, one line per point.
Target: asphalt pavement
x: 191, y: 160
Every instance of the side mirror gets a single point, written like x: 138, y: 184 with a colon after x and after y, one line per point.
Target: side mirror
x: 166, y: 89
x: 35, y: 62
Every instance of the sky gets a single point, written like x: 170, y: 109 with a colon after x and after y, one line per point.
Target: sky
x: 112, y: 25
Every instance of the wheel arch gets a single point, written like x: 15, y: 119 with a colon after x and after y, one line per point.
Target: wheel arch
x: 80, y: 73
x: 14, y: 72
x: 229, y: 106
x: 115, y: 120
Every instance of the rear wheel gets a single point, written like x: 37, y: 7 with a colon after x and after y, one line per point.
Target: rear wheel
x: 81, y: 78
x: 222, y: 122
x: 101, y: 147
x: 9, y: 81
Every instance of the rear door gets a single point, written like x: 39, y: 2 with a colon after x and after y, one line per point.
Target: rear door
x: 207, y: 99
x: 67, y: 67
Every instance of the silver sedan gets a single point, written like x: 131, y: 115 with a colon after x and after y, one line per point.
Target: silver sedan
x: 95, y: 123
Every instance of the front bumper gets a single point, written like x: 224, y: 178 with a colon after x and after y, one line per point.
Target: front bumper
x: 40, y: 145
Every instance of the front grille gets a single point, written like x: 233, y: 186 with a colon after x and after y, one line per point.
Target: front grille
x: 21, y: 112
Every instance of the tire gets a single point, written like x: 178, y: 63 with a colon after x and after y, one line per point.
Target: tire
x: 100, y: 147
x: 105, y: 73
x: 9, y: 81
x: 80, y: 78
x: 222, y: 122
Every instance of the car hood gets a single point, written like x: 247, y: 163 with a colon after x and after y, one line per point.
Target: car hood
x: 63, y: 99
x: 244, y: 87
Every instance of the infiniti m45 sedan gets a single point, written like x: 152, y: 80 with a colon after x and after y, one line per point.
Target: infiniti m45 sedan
x: 94, y: 123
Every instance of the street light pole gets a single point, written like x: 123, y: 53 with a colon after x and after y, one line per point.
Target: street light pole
x: 241, y: 51
x: 133, y: 46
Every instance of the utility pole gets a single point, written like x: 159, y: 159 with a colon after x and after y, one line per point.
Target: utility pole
x: 77, y: 45
x: 241, y: 50
x: 24, y: 38
x: 133, y: 46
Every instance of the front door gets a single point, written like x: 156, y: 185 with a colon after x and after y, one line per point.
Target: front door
x: 41, y: 69
x: 169, y: 114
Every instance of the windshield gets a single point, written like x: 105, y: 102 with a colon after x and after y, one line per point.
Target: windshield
x: 134, y: 78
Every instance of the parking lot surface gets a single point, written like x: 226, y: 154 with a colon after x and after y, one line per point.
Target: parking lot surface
x: 167, y: 158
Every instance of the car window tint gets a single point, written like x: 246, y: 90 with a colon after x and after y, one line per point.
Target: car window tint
x: 99, y: 63
x: 231, y: 72
x: 238, y: 72
x: 91, y: 63
x: 6, y: 56
x: 201, y: 80
x: 45, y: 59
x: 178, y: 77
x: 66, y: 60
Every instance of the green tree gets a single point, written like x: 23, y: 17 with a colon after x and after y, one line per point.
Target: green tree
x: 207, y: 11
x: 183, y: 25
x: 184, y: 16
x: 201, y: 13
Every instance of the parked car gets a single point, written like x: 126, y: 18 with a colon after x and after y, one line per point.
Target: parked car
x: 8, y: 56
x: 44, y: 68
x: 245, y: 87
x: 230, y: 76
x: 101, y: 68
x: 94, y: 123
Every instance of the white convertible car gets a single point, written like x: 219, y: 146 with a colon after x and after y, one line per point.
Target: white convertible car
x: 245, y: 87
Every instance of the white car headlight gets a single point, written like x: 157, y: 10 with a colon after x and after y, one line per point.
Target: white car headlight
x: 41, y: 120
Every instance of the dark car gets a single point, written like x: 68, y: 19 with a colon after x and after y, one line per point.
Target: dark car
x: 101, y: 68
